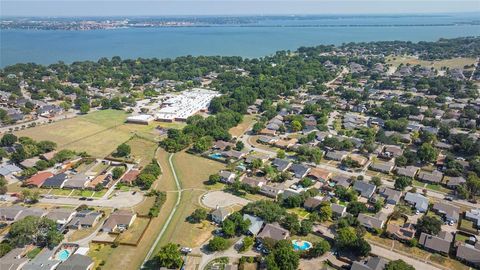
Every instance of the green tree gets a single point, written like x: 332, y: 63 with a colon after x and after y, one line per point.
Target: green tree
x: 218, y: 244
x: 84, y: 108
x: 324, y: 212
x: 8, y: 139
x: 281, y: 154
x: 318, y: 249
x: 239, y: 146
x: 123, y: 150
x: 427, y: 153
x: 398, y: 265
x: 169, y: 256
x: 117, y: 172
x: 35, y: 230
x: 282, y: 257
x: 429, y: 224
x: 247, y: 243
x: 377, y: 181
x: 198, y: 215
x: 3, y: 185
x: 401, y: 182
x: 213, y: 179
x: 296, y: 125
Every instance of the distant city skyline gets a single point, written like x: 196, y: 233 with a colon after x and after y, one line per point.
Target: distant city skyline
x: 72, y: 8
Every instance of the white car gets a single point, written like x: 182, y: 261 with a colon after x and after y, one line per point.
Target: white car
x: 186, y: 250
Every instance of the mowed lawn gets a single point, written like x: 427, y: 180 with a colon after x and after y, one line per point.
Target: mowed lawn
x: 98, y: 133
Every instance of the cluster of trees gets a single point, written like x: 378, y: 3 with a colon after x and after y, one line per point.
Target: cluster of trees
x: 202, y: 131
x: 160, y: 198
x: 34, y: 230
x: 148, y: 175
x: 123, y: 150
x: 351, y: 240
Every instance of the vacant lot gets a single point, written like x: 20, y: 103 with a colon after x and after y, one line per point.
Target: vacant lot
x: 143, y: 150
x: 192, y: 170
x: 239, y: 130
x: 97, y: 133
x: 450, y: 63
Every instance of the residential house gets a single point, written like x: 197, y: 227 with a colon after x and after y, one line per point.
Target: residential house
x: 254, y: 182
x: 271, y: 191
x: 312, y: 202
x: 319, y: 174
x: 29, y: 162
x: 56, y: 181
x: 49, y: 156
x: 77, y: 181
x: 119, y: 220
x: 361, y: 160
x: 250, y: 158
x: 77, y: 262
x: 454, y: 182
x: 338, y: 210
x: 450, y: 212
x: 440, y: 243
x: 38, y: 179
x: 469, y: 254
x: 9, y: 169
x: 409, y: 171
x: 365, y: 189
x: 256, y: 224
x: 431, y: 177
x: 474, y: 216
x: 84, y: 219
x: 374, y: 263
x: 281, y: 164
x: 336, y: 155
x: 222, y: 145
x: 220, y: 214
x: 61, y: 215
x: 418, y: 201
x: 391, y: 196
x: 401, y: 233
x: 35, y: 212
x: 371, y: 222
x: 381, y: 166
x: 299, y: 170
x: 273, y: 231
x: 129, y: 177
x: 227, y: 177
x: 392, y: 151
x: 341, y: 180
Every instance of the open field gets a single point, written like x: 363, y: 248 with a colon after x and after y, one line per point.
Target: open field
x: 243, y: 126
x: 97, y: 133
x: 132, y: 257
x: 450, y: 63
x: 192, y: 170
x: 174, y: 125
x: 142, y: 150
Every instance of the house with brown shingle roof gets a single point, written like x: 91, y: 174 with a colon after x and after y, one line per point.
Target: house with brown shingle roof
x: 469, y: 254
x: 120, y: 219
x: 319, y: 174
x: 440, y: 243
x: 130, y: 176
x: 401, y: 233
x: 273, y: 231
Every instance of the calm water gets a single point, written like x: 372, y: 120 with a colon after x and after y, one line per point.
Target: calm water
x: 259, y: 39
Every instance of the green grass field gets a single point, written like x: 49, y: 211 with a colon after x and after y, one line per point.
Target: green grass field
x: 98, y: 133
x: 143, y: 151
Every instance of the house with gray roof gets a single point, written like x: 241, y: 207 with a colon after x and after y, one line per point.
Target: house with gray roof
x: 61, y: 215
x: 371, y: 222
x: 273, y: 231
x: 454, y: 182
x: 338, y: 210
x: 227, y: 177
x: 281, y: 164
x: 336, y: 155
x: 391, y: 196
x: 77, y: 262
x: 469, y: 254
x: 220, y: 214
x: 431, y: 177
x: 381, y: 166
x: 256, y: 224
x: 474, y: 216
x: 341, y: 180
x: 450, y: 212
x: 32, y: 211
x: 418, y: 201
x: 299, y: 170
x: 440, y: 243
x: 409, y: 171
x: 374, y: 263
x: 9, y: 169
x: 43, y: 261
x: 11, y: 213
x: 365, y: 189
x: 56, y: 181
x: 84, y: 219
x: 271, y: 191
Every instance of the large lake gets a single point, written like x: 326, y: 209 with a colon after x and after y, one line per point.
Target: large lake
x: 254, y: 40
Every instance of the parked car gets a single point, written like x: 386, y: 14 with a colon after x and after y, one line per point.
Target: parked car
x: 83, y: 199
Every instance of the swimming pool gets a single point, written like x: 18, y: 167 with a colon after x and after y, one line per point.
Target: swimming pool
x: 215, y: 156
x: 63, y: 255
x: 301, y: 245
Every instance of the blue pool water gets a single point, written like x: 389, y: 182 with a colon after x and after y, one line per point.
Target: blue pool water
x: 301, y: 245
x: 63, y: 255
x: 215, y: 155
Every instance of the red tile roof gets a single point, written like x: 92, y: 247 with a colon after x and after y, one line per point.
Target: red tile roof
x: 39, y: 178
x: 130, y: 176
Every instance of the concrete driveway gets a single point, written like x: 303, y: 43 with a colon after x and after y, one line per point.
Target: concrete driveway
x: 216, y: 199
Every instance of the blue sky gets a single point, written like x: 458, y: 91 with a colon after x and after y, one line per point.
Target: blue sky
x: 229, y: 7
